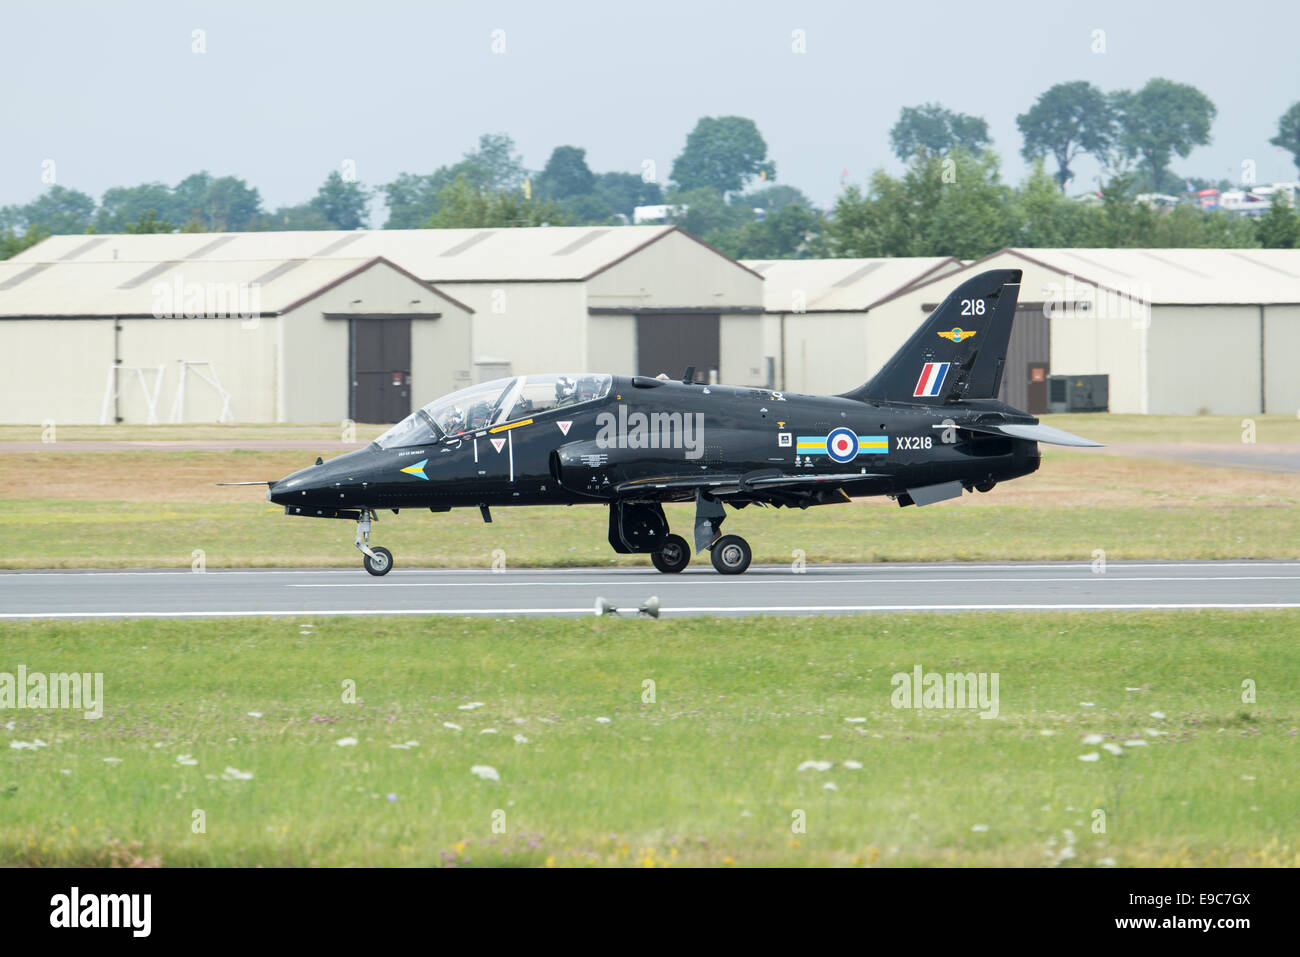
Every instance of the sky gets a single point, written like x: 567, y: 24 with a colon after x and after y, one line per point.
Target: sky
x: 285, y: 92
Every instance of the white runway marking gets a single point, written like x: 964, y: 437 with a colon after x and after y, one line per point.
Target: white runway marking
x: 803, y: 580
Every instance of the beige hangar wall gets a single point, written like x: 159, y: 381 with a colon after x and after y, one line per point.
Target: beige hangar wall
x: 54, y: 369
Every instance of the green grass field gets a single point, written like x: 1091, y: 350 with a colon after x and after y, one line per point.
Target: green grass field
x: 41, y: 534
x: 703, y: 772
x: 101, y: 509
x: 241, y: 719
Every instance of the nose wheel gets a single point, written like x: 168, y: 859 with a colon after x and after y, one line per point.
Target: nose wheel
x: 377, y: 560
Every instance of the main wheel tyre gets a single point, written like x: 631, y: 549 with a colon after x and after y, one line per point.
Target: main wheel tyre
x: 673, y: 556
x: 730, y: 555
x: 381, y: 564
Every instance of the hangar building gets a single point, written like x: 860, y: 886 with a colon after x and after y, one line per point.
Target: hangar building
x: 1178, y: 331
x: 321, y: 326
x: 624, y: 299
x: 185, y: 338
x: 817, y: 325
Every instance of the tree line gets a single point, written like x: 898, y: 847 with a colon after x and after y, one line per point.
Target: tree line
x: 722, y: 187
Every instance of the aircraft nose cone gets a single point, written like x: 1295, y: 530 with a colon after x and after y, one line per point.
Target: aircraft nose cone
x: 331, y: 483
x: 277, y: 493
x: 290, y: 489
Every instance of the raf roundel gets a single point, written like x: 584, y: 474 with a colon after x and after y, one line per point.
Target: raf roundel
x: 842, y: 445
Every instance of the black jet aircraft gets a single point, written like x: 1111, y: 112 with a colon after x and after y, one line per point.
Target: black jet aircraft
x: 926, y: 427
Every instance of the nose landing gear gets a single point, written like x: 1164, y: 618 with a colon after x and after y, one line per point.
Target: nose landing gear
x: 377, y: 560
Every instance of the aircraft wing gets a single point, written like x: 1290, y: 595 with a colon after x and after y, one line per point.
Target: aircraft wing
x: 1034, y: 433
x: 723, y: 485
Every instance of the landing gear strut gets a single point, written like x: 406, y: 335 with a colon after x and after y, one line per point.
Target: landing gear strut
x: 377, y: 560
x: 730, y: 554
x: 642, y: 527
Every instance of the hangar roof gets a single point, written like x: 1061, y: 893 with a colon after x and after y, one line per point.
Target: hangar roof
x: 1167, y: 276
x: 537, y: 253
x: 127, y: 287
x: 841, y: 285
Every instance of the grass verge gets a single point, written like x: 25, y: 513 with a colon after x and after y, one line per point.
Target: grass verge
x: 649, y: 743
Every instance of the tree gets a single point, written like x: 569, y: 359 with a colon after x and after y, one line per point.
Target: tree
x: 342, y: 204
x: 463, y: 205
x: 587, y: 210
x: 412, y: 198
x: 1066, y: 120
x: 232, y: 205
x: 1044, y: 217
x: 773, y: 197
x: 566, y: 174
x: 954, y: 205
x: 149, y: 223
x: 873, y: 222
x: 1288, y: 132
x: 121, y: 206
x: 937, y: 130
x: 495, y: 164
x: 222, y: 204
x: 974, y: 214
x: 58, y: 210
x: 1161, y: 119
x: 702, y: 211
x: 1219, y: 230
x: 722, y: 153
x: 1119, y: 220
x: 189, y: 198
x: 1279, y: 227
x: 791, y: 232
x: 304, y: 216
x: 623, y: 192
x: 11, y: 243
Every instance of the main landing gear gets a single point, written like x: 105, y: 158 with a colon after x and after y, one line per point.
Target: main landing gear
x: 673, y: 555
x: 378, y: 560
x: 642, y: 527
x: 730, y: 555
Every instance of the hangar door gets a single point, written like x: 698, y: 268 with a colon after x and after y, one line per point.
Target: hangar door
x: 1024, y: 376
x: 379, y: 367
x: 669, y: 342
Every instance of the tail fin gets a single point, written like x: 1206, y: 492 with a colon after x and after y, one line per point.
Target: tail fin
x: 958, y: 352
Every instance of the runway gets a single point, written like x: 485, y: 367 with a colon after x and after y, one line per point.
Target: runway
x: 777, y: 589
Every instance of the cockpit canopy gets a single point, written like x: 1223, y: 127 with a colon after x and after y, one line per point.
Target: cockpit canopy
x: 494, y: 403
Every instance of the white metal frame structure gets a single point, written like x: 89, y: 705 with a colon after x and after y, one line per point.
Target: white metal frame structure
x: 210, y: 377
x: 115, y: 387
